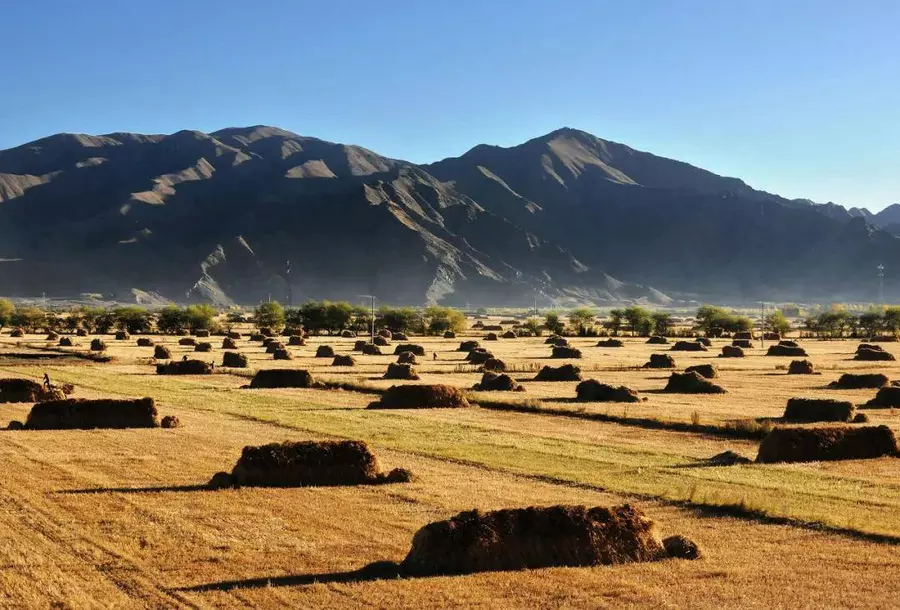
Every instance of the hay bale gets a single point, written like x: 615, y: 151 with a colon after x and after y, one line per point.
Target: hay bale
x: 343, y: 360
x: 283, y: 378
x: 468, y: 346
x: 17, y: 333
x: 122, y: 336
x: 370, y: 349
x: 83, y: 414
x: 479, y: 355
x: 170, y: 421
x: 531, y: 538
x: 311, y: 463
x: 347, y: 334
x: 282, y: 354
x: 681, y: 547
x: 510, y: 335
x: 874, y: 355
x: 233, y: 334
x: 801, y: 367
x: 555, y: 340
x: 730, y: 351
x: 887, y: 397
x: 691, y: 383
x: 491, y: 337
x: 201, y: 333
x: 742, y: 343
x: 657, y: 340
x: 52, y: 336
x: 324, y: 351
x: 827, y: 444
x: 203, y: 346
x: 788, y: 343
x: 494, y: 327
x: 870, y: 346
x: 145, y: 342
x: 396, y: 370
x: 229, y: 343
x: 860, y: 381
x: 400, y: 337
x: 494, y: 364
x: 359, y: 345
x: 257, y: 337
x: 26, y: 390
x: 478, y: 324
x: 185, y: 367
x: 818, y: 409
x: 565, y: 352
x: 296, y: 341
x: 97, y: 345
x: 266, y: 332
x: 709, y: 371
x: 66, y: 342
x: 407, y: 358
x: 497, y: 382
x: 566, y: 372
x: 660, y: 361
x: 592, y: 390
x: 161, y: 352
x: 860, y: 418
x: 274, y: 346
x: 418, y: 350
x: 688, y: 346
x: 703, y: 341
x: 187, y: 341
x: 745, y: 335
x: 449, y: 334
x: 235, y: 360
x: 433, y: 396
x: 610, y: 343
x: 786, y: 350
x: 81, y: 332
x: 387, y: 334
x: 381, y: 341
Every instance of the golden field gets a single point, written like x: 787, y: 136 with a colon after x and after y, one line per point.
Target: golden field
x: 112, y: 518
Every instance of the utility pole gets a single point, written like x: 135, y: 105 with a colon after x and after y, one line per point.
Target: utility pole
x: 372, y: 320
x: 880, y: 284
x: 762, y: 324
x: 289, y: 296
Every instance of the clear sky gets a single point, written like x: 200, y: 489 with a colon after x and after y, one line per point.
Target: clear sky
x: 797, y: 97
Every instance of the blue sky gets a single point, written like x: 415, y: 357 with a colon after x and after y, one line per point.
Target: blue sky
x: 797, y: 97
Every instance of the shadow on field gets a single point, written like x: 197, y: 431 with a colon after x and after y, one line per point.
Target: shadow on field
x: 134, y: 490
x: 380, y: 570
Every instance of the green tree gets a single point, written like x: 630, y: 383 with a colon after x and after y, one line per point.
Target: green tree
x: 398, y: 319
x: 133, y: 319
x: 710, y: 317
x: 534, y: 326
x: 202, y: 316
x: 638, y: 320
x: 269, y: 315
x: 171, y: 320
x: 662, y: 322
x: 441, y: 319
x: 28, y: 318
x: 338, y: 315
x: 553, y: 323
x: 777, y: 322
x: 892, y: 320
x: 581, y: 320
x: 7, y: 309
x: 614, y: 323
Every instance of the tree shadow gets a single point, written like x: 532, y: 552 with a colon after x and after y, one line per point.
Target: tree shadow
x: 379, y: 570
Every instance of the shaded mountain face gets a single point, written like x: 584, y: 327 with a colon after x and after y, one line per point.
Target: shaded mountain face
x: 243, y: 214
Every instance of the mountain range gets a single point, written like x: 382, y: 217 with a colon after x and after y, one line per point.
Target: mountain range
x: 245, y: 214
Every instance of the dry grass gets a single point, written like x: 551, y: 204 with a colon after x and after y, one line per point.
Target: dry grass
x: 171, y: 545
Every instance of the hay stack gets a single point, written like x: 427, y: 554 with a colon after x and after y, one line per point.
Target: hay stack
x: 449, y: 334
x: 17, y: 333
x: 145, y: 342
x: 161, y: 352
x: 66, y: 342
x: 343, y: 360
x: 418, y: 350
x: 385, y: 333
x: 296, y: 341
x: 860, y: 381
x: 52, y: 336
x: 827, y: 444
x: 565, y: 352
x: 309, y: 463
x: 874, y: 355
x: 660, y: 361
x: 97, y: 345
x: 491, y: 337
x: 370, y: 349
x: 257, y: 337
x: 494, y: 364
x: 610, y: 343
x: 871, y: 346
x: 381, y: 341
x: 709, y: 371
x: 531, y: 538
x: 801, y: 367
x: 122, y: 336
x: 786, y: 350
x: 592, y: 390
x: 788, y: 343
x: 407, y: 358
x: 81, y: 332
x: 282, y: 354
x: 185, y: 367
x: 359, y: 345
x: 229, y: 343
x: 170, y: 421
x: 266, y: 332
x: 742, y: 343
x: 555, y: 340
x: 688, y: 346
x: 691, y: 383
x: 468, y: 346
x: 479, y: 355
x: 203, y: 346
x: 26, y: 390
x: 818, y: 409
x: 566, y: 372
x: 233, y: 334
x: 400, y: 337
x: 83, y: 414
x: 187, y: 341
x: 400, y: 371
x: 772, y: 336
x: 434, y: 396
x: 703, y: 341
x: 347, y: 334
x: 730, y: 351
x: 745, y: 335
x: 657, y: 340
x: 202, y: 333
x: 235, y: 360
x: 325, y: 351
x: 510, y: 335
x: 283, y: 378
x: 887, y: 397
x: 497, y: 382
x: 274, y: 346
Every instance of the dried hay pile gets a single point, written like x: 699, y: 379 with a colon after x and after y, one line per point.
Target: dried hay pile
x: 434, y: 396
x: 283, y: 378
x: 82, y: 414
x: 565, y: 352
x: 819, y: 409
x: 691, y: 382
x: 860, y: 381
x: 401, y: 371
x: 497, y: 382
x: 827, y: 444
x: 660, y: 361
x: 704, y: 370
x: 566, y: 372
x: 592, y: 390
x: 184, y: 367
x: 235, y: 360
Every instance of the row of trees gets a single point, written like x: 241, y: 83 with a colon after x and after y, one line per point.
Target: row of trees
x: 335, y: 316
x: 837, y: 323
